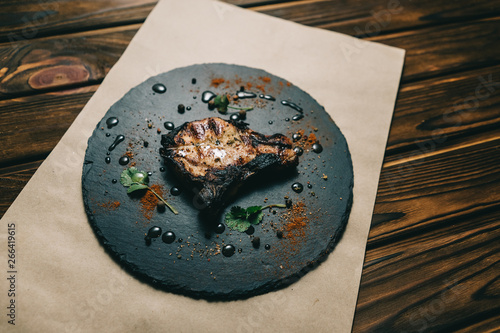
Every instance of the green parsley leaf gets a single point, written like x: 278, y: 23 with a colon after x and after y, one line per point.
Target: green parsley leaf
x: 241, y: 219
x: 126, y: 176
x: 135, y: 187
x: 253, y: 209
x: 139, y: 180
x: 238, y: 212
x: 221, y: 102
x: 238, y: 224
x: 256, y: 217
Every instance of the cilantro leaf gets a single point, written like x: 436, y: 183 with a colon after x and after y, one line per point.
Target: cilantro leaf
x: 221, y: 102
x: 139, y: 180
x: 135, y: 187
x: 256, y: 217
x: 241, y: 219
x: 238, y: 212
x: 126, y: 176
x: 238, y: 224
x: 253, y: 209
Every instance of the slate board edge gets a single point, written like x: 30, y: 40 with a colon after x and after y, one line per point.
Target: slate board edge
x: 273, y: 285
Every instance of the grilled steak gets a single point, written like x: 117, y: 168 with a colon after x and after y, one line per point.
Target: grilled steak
x: 217, y: 156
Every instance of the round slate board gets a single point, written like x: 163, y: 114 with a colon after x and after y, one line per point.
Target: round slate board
x: 194, y: 264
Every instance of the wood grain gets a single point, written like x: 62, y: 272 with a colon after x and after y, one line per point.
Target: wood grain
x: 443, y: 280
x: 35, y: 19
x: 32, y: 126
x: 447, y: 49
x: 24, y: 20
x: 443, y: 222
x: 432, y: 258
x: 441, y: 110
x: 61, y: 62
x: 13, y: 180
x: 435, y: 190
x: 85, y: 58
x: 367, y: 18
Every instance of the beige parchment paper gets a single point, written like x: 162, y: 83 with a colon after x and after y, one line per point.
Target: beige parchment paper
x: 65, y: 282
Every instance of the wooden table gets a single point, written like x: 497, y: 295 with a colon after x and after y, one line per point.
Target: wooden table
x: 433, y: 250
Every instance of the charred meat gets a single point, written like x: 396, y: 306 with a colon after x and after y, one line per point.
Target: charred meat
x: 217, y: 156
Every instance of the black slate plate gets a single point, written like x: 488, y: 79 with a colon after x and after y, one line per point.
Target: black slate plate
x: 195, y: 266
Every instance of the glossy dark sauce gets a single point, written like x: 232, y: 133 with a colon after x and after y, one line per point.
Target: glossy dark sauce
x: 292, y: 105
x: 118, y: 139
x: 159, y: 88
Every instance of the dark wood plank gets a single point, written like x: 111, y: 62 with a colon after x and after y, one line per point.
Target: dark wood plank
x: 437, y: 112
x: 13, y: 180
x: 367, y: 18
x: 439, y: 281
x: 32, y: 125
x: 85, y: 58
x: 33, y: 19
x: 423, y: 194
x: 61, y: 62
x: 447, y: 49
x: 22, y: 20
x: 433, y: 253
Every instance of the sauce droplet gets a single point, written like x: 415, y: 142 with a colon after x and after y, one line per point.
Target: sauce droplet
x: 297, y: 117
x: 296, y: 136
x: 124, y: 160
x: 250, y: 230
x: 193, y: 81
x: 220, y: 228
x: 107, y: 160
x: 159, y: 88
x: 206, y: 96
x: 267, y: 247
x: 150, y: 173
x: 245, y: 94
x: 181, y: 108
x: 317, y: 147
x: 228, y: 250
x: 168, y: 237
x: 154, y: 232
x: 292, y: 105
x: 309, y: 186
x: 169, y: 125
x: 175, y: 191
x: 287, y: 119
x: 162, y: 169
x: 235, y: 117
x: 118, y: 139
x: 270, y: 122
x: 268, y: 97
x: 111, y: 122
x: 188, y: 108
x: 297, y: 187
x: 298, y: 150
x: 108, y: 135
x: 114, y: 181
